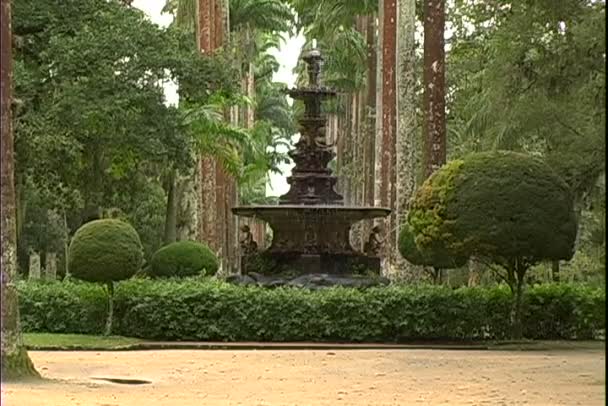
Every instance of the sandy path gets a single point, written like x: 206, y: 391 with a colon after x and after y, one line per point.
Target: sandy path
x: 306, y: 378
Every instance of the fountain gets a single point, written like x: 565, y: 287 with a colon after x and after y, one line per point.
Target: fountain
x: 311, y: 225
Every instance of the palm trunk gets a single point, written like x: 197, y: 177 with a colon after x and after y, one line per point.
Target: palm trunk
x: 50, y: 266
x: 211, y: 230
x: 407, y: 143
x: 34, y: 266
x: 475, y: 268
x: 555, y: 270
x: 387, y: 160
x: 14, y: 360
x: 170, y: 234
x: 369, y: 126
x: 434, y: 86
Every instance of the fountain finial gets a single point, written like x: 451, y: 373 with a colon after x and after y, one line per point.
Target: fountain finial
x: 313, y: 59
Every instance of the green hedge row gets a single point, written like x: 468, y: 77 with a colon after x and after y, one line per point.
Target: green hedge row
x: 192, y: 309
x: 62, y: 307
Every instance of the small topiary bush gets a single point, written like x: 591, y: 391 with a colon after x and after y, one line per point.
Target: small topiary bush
x: 183, y: 259
x: 105, y: 251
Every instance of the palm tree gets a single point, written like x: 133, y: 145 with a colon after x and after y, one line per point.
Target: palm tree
x: 385, y: 190
x: 407, y: 144
x: 434, y: 86
x: 14, y: 359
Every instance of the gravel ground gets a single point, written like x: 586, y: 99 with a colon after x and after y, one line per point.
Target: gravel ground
x: 315, y: 377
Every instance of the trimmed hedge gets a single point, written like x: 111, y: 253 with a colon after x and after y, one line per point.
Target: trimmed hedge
x: 210, y: 310
x: 62, y: 307
x: 182, y: 259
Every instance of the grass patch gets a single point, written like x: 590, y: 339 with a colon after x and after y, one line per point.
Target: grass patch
x: 46, y: 341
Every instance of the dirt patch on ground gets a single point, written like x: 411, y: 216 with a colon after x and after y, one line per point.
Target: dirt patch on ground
x: 307, y: 378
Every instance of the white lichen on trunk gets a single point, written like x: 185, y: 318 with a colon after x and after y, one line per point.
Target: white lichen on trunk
x: 34, y: 266
x: 406, y: 123
x: 50, y: 266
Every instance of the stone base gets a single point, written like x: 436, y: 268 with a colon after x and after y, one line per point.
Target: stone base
x: 309, y: 281
x: 302, y: 264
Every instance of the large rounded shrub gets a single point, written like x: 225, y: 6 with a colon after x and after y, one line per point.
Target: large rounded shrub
x: 506, y: 206
x: 105, y: 251
x: 182, y: 259
x: 436, y: 255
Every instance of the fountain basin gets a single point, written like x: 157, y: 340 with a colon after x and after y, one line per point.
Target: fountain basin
x: 314, y: 238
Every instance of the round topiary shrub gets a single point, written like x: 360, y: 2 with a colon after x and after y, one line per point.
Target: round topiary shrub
x: 505, y: 206
x: 182, y: 259
x: 105, y: 251
x: 508, y: 208
x: 436, y: 255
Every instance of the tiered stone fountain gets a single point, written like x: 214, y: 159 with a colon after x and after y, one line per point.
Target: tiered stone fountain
x: 311, y: 225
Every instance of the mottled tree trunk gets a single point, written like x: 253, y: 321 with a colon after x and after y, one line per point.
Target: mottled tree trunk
x: 14, y: 360
x: 50, y: 266
x: 369, y: 126
x: 407, y: 143
x: 214, y: 225
x: 475, y: 269
x: 170, y: 234
x: 434, y: 86
x: 34, y: 266
x: 187, y: 191
x: 387, y: 159
x: 555, y: 270
x: 379, y: 107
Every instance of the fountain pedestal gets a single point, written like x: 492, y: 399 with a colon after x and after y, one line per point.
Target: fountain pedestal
x: 311, y: 225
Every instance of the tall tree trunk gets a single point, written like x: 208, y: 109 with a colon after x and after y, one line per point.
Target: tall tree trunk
x: 34, y: 266
x: 475, y: 269
x: 187, y: 196
x: 378, y: 116
x: 212, y: 224
x: 170, y: 234
x: 434, y: 86
x: 369, y: 128
x: 50, y: 266
x: 555, y: 270
x: 16, y: 363
x: 407, y: 140
x: 387, y: 160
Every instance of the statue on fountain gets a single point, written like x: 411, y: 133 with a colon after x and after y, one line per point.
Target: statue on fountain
x: 373, y: 246
x: 247, y: 243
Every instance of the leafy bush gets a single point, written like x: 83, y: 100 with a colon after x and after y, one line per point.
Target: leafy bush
x: 189, y: 309
x: 509, y: 208
x: 105, y: 251
x: 62, y: 307
x: 438, y: 257
x: 182, y: 259
x: 505, y: 206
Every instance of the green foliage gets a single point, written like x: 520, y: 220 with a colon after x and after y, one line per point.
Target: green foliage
x: 439, y: 257
x: 212, y: 310
x: 93, y: 129
x: 182, y: 259
x: 105, y: 251
x: 508, y: 207
x: 57, y: 307
x: 530, y: 76
x: 577, y: 311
